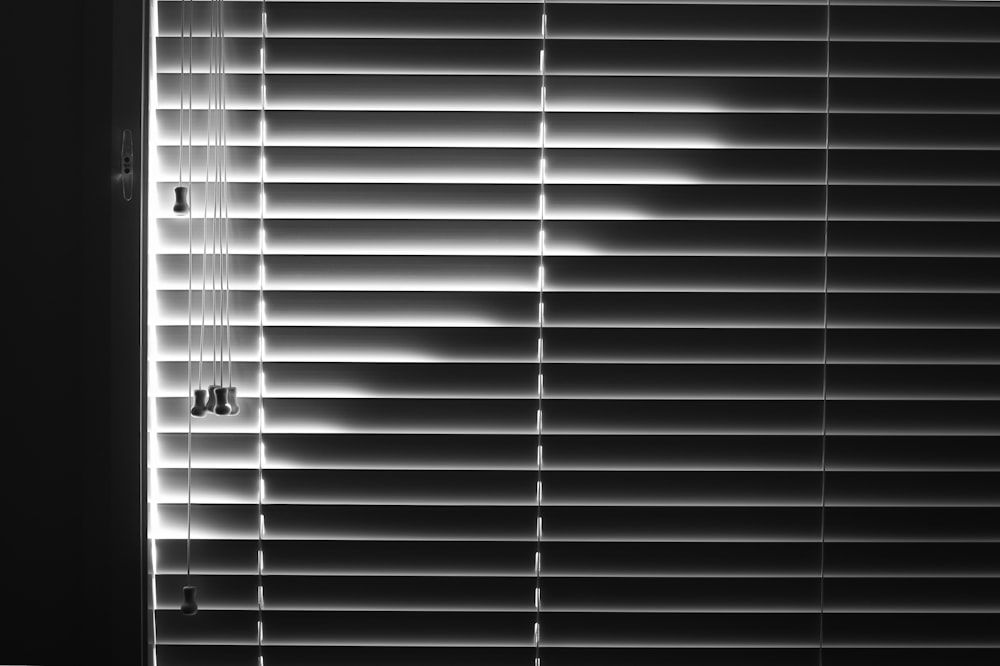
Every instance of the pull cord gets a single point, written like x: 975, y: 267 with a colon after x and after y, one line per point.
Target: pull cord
x: 189, y: 604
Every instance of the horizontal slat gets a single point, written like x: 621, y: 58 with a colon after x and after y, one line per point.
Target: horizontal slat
x: 511, y: 416
x: 910, y: 561
x: 587, y: 274
x: 599, y: 381
x: 435, y: 92
x: 426, y: 56
x: 593, y: 595
x: 926, y: 453
x: 465, y: 488
x: 215, y: 593
x: 684, y: 21
x: 562, y: 523
x: 210, y: 558
x: 931, y: 20
x: 512, y: 452
x: 675, y: 20
x: 208, y: 486
x: 362, y: 19
x: 596, y: 345
x: 590, y: 166
x: 451, y: 628
x: 216, y: 627
x: 577, y: 488
x: 918, y: 453
x: 361, y: 92
x: 639, y: 381
x: 771, y: 524
x: 595, y: 310
x: 585, y: 238
x: 684, y: 310
x: 583, y: 629
x: 915, y: 60
x: 572, y: 559
x: 913, y: 131
x: 706, y: 656
x: 935, y: 21
x: 208, y: 522
x: 473, y: 201
x: 566, y: 166
x: 582, y: 129
x: 564, y: 594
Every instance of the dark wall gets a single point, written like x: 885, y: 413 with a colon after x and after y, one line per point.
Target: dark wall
x: 64, y: 518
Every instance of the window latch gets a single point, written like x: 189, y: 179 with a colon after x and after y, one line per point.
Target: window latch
x: 127, y: 165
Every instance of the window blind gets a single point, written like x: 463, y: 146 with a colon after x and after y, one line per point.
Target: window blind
x: 759, y: 420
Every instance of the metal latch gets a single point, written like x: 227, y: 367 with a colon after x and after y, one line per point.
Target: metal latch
x: 127, y: 166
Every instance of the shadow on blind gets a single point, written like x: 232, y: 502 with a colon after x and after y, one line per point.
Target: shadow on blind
x: 757, y: 412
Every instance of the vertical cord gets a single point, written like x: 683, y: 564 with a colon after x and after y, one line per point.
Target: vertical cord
x: 180, y: 106
x: 260, y: 349
x: 210, y: 157
x: 180, y: 159
x: 541, y: 348
x: 226, y: 342
x: 216, y: 231
x: 218, y: 297
x: 190, y: 132
x: 224, y: 248
x: 190, y: 180
x: 826, y: 291
x: 204, y: 260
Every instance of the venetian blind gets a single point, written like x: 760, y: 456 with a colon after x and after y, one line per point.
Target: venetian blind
x: 756, y: 410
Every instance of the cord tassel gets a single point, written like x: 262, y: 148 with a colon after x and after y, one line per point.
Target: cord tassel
x: 190, y: 605
x: 200, y: 408
x: 233, y: 402
x: 181, y: 204
x: 222, y: 406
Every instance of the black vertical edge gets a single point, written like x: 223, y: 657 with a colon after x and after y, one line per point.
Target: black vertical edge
x: 128, y: 315
x: 68, y: 480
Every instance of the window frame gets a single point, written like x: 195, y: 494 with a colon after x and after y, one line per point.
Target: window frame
x: 129, y: 556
